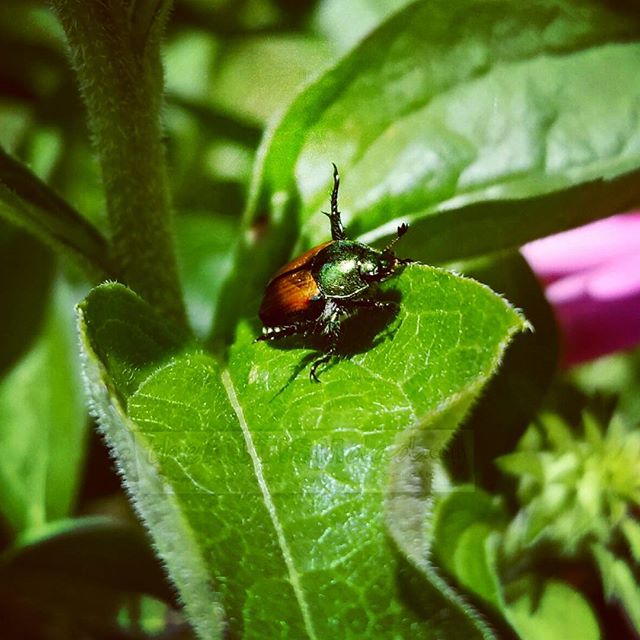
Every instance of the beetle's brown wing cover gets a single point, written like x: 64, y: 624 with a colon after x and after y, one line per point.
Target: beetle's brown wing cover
x: 301, y: 261
x: 293, y: 295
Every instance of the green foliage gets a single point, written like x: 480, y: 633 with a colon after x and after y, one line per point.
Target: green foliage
x: 474, y: 139
x: 586, y: 484
x: 279, y: 507
x: 468, y: 537
x: 557, y: 612
x: 39, y: 481
x: 578, y: 494
x: 74, y: 576
x: 513, y: 396
x: 24, y: 286
x: 310, y: 464
x: 619, y: 582
x: 27, y: 202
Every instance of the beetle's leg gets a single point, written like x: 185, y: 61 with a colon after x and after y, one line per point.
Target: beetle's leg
x: 325, y: 358
x: 284, y: 331
x: 332, y: 330
x: 337, y: 230
x: 402, y: 229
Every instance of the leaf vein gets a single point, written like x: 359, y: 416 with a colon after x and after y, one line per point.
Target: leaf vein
x: 294, y: 576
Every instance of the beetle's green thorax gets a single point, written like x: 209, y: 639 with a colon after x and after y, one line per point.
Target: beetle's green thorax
x: 346, y: 268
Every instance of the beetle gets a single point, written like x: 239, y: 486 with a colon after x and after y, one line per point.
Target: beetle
x: 315, y: 292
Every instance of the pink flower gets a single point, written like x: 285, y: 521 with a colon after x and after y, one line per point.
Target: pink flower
x: 592, y: 278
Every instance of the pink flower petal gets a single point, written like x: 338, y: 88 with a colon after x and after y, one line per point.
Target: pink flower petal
x: 594, y: 285
x: 584, y: 248
x: 619, y: 279
x: 592, y: 327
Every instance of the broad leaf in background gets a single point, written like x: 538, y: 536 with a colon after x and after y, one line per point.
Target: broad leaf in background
x: 364, y: 16
x: 467, y: 536
x: 257, y: 77
x: 43, y: 423
x: 265, y: 493
x: 551, y: 610
x: 204, y: 244
x: 483, y: 124
x: 26, y: 273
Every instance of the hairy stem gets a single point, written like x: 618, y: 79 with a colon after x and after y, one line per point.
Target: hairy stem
x: 115, y: 49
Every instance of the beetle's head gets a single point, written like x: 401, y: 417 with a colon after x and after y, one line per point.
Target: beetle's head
x: 383, y: 264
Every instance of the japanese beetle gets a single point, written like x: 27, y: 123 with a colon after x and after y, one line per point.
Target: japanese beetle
x: 315, y: 292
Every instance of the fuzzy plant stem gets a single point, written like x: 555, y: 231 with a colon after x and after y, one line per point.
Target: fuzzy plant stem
x: 115, y: 49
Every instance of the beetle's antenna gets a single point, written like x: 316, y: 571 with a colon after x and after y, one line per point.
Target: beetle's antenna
x: 334, y: 192
x: 402, y: 229
x: 337, y: 230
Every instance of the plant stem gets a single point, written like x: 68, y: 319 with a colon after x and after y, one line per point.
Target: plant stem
x: 115, y: 49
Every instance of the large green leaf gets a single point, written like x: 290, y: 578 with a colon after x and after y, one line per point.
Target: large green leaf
x: 42, y: 424
x: 271, y: 498
x: 485, y: 124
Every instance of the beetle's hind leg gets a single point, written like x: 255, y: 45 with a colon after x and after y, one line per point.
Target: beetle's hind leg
x: 286, y: 330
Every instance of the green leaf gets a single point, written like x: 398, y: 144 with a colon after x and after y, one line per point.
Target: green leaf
x: 513, y: 397
x: 617, y: 375
x: 42, y: 424
x: 467, y: 541
x: 619, y: 582
x: 485, y: 125
x: 204, y: 255
x: 344, y: 25
x: 523, y: 463
x: 455, y: 513
x: 26, y: 273
x: 256, y: 77
x: 29, y: 203
x: 470, y: 567
x: 631, y: 530
x: 558, y: 611
x: 270, y: 498
x: 463, y: 520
